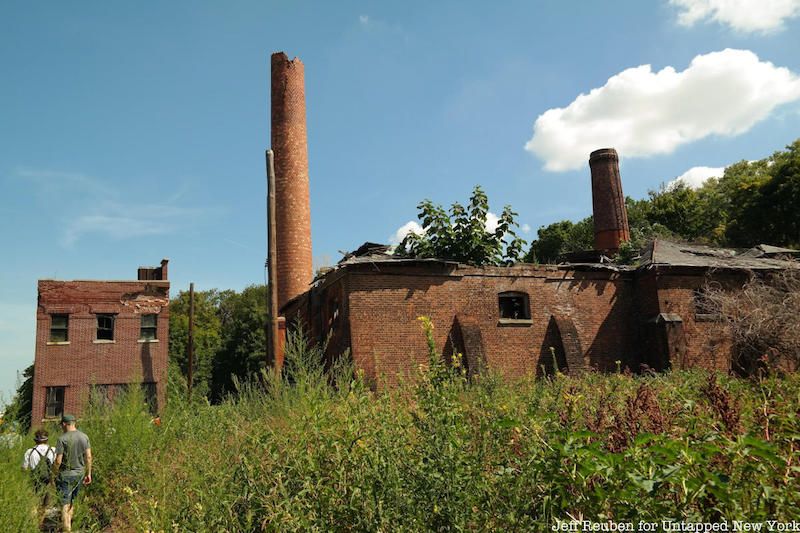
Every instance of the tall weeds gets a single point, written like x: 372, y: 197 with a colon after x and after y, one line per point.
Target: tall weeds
x: 309, y: 452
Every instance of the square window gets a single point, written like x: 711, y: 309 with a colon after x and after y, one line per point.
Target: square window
x: 54, y: 402
x: 105, y: 327
x: 59, y: 328
x: 149, y: 328
x: 514, y: 305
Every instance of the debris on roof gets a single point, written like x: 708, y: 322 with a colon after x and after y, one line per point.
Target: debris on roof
x: 659, y: 253
x: 667, y: 253
x: 775, y: 252
x: 368, y: 248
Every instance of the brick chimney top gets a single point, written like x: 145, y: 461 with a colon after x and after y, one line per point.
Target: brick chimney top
x: 153, y: 273
x: 603, y: 153
x: 281, y: 58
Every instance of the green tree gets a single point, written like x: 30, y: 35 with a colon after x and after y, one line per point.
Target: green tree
x: 461, y: 234
x: 781, y: 197
x: 739, y: 191
x: 19, y: 410
x: 207, y: 335
x: 560, y: 238
x: 675, y: 207
x: 242, y: 351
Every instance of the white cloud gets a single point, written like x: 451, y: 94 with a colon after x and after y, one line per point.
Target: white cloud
x: 405, y: 229
x: 696, y: 176
x: 491, y: 222
x: 363, y: 19
x: 741, y: 15
x: 526, y: 228
x: 641, y: 113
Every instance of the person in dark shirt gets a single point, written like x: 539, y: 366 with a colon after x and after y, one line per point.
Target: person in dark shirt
x: 73, y: 466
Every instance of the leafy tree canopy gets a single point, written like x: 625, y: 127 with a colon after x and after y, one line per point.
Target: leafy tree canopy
x: 228, y: 337
x: 18, y: 412
x: 461, y: 234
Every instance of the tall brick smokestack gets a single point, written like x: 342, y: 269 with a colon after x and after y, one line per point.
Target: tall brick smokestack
x: 293, y: 210
x: 608, y: 202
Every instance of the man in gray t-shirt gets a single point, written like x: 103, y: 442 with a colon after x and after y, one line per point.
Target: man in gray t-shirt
x: 73, y: 465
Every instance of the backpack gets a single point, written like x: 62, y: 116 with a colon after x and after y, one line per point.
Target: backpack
x: 43, y: 471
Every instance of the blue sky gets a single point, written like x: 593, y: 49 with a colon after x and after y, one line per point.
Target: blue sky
x: 136, y: 131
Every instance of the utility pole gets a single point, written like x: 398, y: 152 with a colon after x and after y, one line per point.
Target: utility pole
x: 190, y: 347
x: 272, y: 288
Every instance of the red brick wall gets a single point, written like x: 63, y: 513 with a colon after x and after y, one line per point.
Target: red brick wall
x: 83, y: 361
x: 613, y: 314
x: 707, y: 343
x: 387, y: 339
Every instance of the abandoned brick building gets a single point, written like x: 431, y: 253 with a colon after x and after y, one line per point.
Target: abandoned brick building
x: 99, y: 337
x: 587, y: 311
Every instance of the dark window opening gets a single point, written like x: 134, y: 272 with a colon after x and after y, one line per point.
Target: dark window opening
x: 514, y: 305
x: 54, y: 402
x: 59, y: 328
x: 705, y: 307
x: 101, y: 395
x: 150, y: 396
x: 149, y: 327
x: 105, y: 327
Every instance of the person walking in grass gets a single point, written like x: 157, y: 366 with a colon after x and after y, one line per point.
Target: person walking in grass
x: 73, y: 465
x: 39, y: 461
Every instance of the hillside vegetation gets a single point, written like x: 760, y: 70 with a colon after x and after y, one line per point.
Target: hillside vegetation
x: 438, y: 454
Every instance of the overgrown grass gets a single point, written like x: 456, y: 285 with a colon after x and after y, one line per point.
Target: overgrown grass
x: 314, y: 453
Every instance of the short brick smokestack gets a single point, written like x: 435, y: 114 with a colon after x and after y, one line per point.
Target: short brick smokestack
x: 293, y: 210
x: 608, y: 202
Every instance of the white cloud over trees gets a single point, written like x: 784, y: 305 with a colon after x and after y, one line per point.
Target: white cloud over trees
x: 696, y: 176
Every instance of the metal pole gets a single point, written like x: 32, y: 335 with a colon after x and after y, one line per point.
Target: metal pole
x: 190, y: 347
x: 272, y: 263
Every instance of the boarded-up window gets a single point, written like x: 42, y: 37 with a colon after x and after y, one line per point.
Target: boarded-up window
x: 514, y: 305
x: 59, y: 328
x: 105, y: 327
x: 54, y: 402
x: 149, y: 328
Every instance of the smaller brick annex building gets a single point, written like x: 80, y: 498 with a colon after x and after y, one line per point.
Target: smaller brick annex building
x: 100, y: 336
